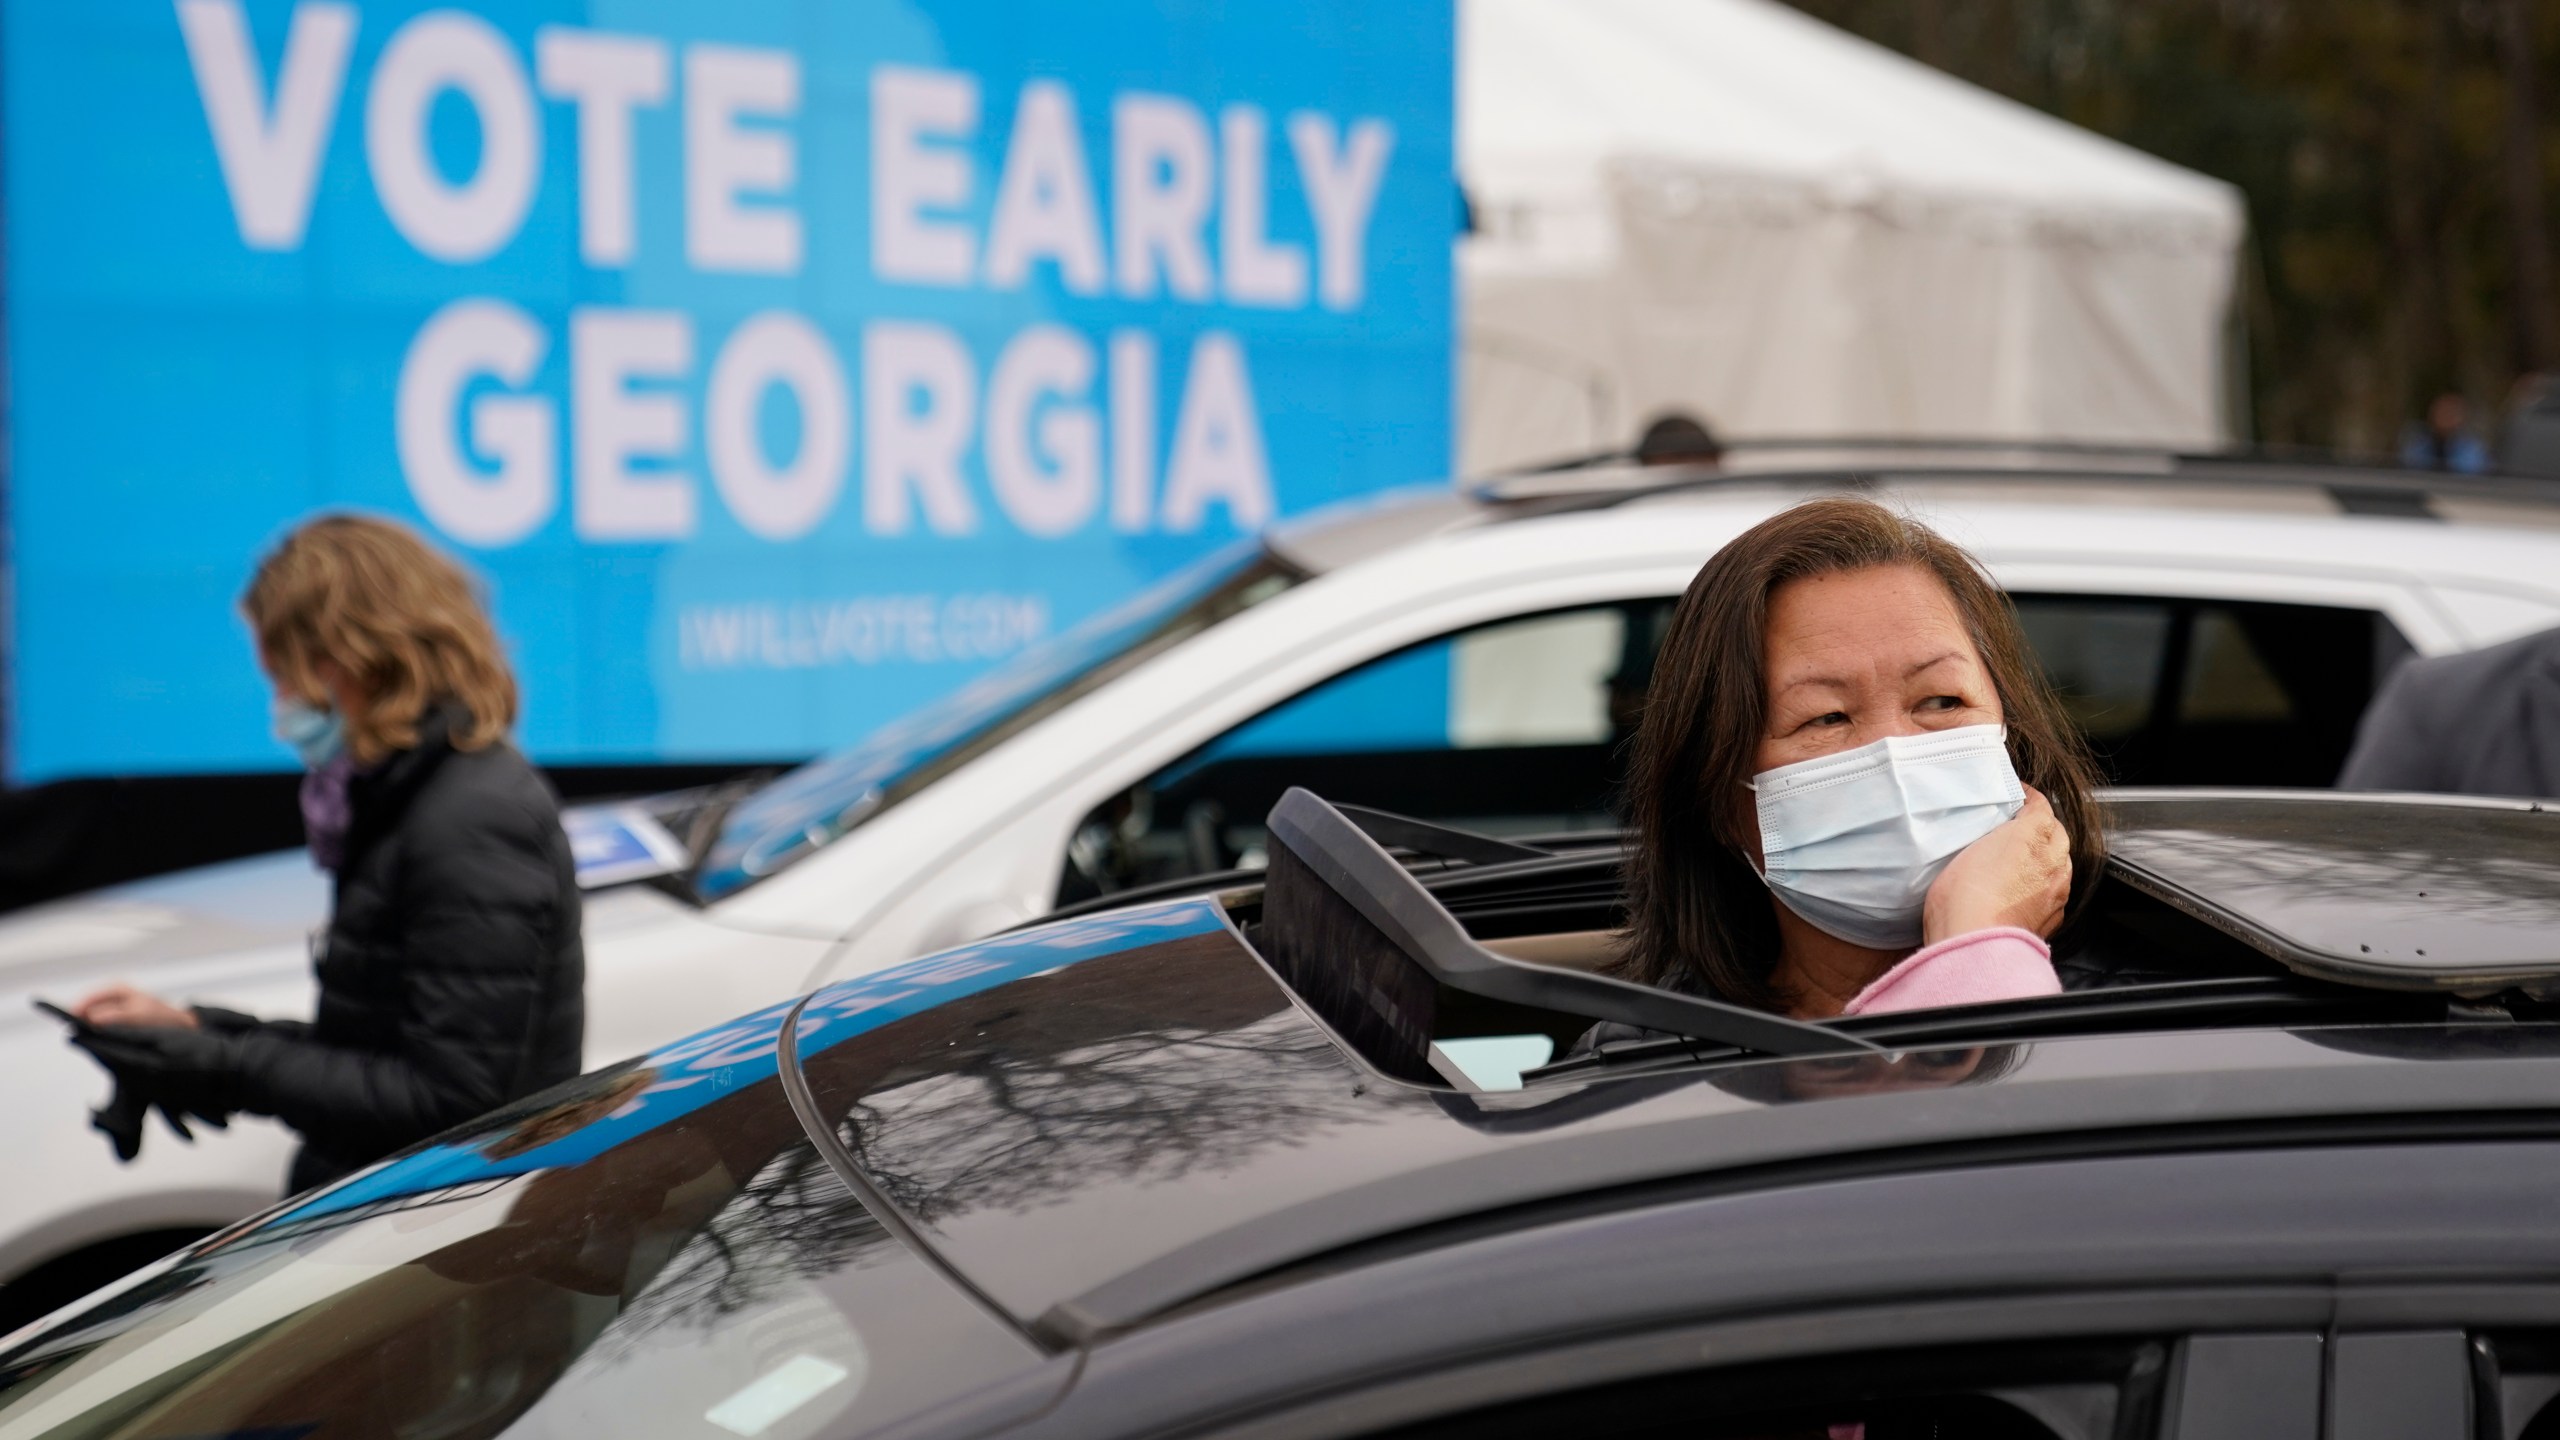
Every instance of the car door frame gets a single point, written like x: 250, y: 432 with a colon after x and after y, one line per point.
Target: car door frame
x: 1004, y: 869
x: 2426, y: 625
x: 2169, y: 1238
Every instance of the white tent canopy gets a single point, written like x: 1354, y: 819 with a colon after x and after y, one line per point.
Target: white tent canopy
x: 1729, y: 208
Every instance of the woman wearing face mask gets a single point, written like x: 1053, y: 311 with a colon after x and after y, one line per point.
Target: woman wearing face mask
x: 1853, y: 790
x: 451, y: 973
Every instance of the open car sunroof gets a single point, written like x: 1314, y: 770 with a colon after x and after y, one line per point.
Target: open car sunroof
x: 2208, y: 894
x: 2410, y: 893
x: 1369, y: 949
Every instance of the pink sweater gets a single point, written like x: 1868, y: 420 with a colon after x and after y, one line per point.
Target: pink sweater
x: 2002, y: 963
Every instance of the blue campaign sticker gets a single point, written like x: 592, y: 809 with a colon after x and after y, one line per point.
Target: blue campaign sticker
x: 780, y: 365
x: 693, y: 1072
x: 616, y: 844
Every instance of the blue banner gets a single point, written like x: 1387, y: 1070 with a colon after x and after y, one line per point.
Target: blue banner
x: 781, y: 365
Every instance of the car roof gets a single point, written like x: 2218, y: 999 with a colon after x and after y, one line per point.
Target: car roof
x: 1143, y: 1130
x: 1148, y: 1126
x: 2058, y: 472
x: 1097, y: 1122
x: 2013, y: 472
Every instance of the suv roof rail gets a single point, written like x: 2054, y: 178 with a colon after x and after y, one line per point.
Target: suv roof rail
x: 2243, y: 453
x: 1779, y: 444
x: 2358, y: 484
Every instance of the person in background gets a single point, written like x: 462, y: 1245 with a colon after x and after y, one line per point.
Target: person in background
x: 451, y: 974
x: 2445, y: 440
x: 2482, y: 723
x: 1854, y: 791
x: 1679, y: 439
x: 2530, y: 443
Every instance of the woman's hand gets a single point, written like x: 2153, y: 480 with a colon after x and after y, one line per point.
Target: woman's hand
x: 122, y: 1004
x: 2019, y: 874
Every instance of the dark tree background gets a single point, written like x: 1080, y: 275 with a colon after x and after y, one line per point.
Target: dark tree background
x: 2399, y: 159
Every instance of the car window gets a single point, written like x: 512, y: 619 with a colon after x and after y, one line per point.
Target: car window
x: 2210, y: 692
x: 651, y: 1249
x: 2102, y: 655
x: 778, y: 1309
x: 360, y: 1306
x: 793, y: 1313
x: 783, y: 822
x: 2517, y: 1374
x: 1508, y: 728
x: 1545, y: 680
x: 2227, y: 680
x: 1519, y: 727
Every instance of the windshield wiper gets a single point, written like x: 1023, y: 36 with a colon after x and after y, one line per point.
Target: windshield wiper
x: 713, y: 814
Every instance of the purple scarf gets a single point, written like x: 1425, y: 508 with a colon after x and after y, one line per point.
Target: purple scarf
x: 327, y: 811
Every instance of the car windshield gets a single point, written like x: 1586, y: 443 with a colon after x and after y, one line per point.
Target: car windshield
x: 350, y: 1313
x: 821, y: 801
x: 653, y: 1249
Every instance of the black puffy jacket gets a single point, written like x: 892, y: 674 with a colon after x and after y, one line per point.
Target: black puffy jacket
x: 451, y: 975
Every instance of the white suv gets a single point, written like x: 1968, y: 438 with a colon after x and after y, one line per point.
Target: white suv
x: 1463, y: 655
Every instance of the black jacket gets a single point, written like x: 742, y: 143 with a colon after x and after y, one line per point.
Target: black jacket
x: 2485, y: 723
x: 451, y: 975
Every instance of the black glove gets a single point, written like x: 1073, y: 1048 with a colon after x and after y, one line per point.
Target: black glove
x: 183, y: 1073
x: 120, y: 1120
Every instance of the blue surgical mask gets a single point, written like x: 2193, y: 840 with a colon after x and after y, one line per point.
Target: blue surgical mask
x: 317, y: 735
x: 1851, y: 842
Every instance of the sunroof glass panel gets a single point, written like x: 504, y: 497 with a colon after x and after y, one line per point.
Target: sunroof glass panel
x: 2453, y: 894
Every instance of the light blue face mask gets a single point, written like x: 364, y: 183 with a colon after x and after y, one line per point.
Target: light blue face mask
x: 1852, y: 842
x: 318, y: 736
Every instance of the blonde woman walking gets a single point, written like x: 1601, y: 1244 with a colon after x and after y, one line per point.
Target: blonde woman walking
x: 451, y: 976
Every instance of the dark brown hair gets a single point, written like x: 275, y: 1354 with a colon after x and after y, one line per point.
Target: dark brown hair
x: 1700, y: 918
x: 397, y: 616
